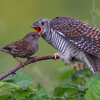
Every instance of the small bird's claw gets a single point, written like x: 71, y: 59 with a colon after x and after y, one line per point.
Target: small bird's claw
x: 31, y: 58
x: 22, y: 63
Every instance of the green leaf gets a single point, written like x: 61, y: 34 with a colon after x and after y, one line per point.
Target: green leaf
x: 93, y: 88
x: 24, y: 90
x: 81, y: 88
x: 21, y: 75
x: 68, y: 91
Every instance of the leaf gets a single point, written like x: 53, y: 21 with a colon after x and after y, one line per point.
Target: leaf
x: 25, y: 90
x: 81, y: 88
x: 93, y: 88
x: 60, y: 91
x: 21, y: 75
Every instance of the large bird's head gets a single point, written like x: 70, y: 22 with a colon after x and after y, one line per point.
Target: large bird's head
x: 41, y: 26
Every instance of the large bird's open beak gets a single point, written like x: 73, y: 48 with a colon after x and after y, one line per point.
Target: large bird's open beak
x: 38, y: 29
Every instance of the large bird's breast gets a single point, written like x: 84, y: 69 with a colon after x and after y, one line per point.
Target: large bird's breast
x: 55, y: 39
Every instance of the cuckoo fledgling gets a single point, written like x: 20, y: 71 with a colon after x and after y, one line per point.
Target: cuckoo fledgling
x: 23, y: 48
x: 73, y: 39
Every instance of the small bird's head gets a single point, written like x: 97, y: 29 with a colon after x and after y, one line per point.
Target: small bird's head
x: 31, y: 36
x: 41, y: 26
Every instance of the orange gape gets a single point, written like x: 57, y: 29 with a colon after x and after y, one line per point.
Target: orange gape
x: 38, y: 29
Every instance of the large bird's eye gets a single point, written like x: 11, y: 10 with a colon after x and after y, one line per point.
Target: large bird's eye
x: 42, y: 23
x: 38, y: 29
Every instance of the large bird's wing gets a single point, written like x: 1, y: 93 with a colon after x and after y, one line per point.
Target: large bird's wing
x: 83, y: 35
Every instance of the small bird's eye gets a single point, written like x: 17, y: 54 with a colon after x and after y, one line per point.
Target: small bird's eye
x: 42, y: 23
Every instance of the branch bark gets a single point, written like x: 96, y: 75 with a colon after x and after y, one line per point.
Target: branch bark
x: 31, y: 60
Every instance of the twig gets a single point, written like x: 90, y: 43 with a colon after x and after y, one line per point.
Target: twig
x: 32, y: 60
x: 94, y: 12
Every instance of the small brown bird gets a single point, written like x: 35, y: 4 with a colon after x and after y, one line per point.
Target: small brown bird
x: 23, y: 48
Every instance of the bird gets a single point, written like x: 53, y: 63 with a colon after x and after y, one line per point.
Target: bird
x: 23, y: 48
x: 72, y: 38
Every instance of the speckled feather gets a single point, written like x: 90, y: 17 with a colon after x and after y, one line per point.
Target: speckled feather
x: 19, y: 48
x: 85, y: 36
x: 22, y: 48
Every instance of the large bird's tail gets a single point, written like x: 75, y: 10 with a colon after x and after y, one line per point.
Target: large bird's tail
x: 95, y: 62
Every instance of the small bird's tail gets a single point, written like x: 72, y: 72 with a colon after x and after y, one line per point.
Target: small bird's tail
x: 1, y: 48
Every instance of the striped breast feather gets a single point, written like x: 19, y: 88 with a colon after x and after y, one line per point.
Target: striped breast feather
x: 85, y: 36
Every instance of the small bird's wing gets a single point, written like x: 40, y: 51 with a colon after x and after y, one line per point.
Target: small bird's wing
x: 19, y: 48
x: 83, y: 35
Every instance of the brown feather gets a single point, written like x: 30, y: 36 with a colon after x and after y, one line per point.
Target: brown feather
x: 24, y: 47
x: 19, y: 48
x: 85, y: 36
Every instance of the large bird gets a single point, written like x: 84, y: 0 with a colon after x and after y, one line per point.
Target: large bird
x: 72, y: 38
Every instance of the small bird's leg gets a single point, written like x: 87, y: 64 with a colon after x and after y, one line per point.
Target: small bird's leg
x: 31, y: 58
x: 56, y: 55
x: 18, y: 60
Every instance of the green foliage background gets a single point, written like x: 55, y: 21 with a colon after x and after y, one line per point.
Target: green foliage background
x: 16, y: 17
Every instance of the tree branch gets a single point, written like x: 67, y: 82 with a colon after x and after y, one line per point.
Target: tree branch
x: 31, y: 60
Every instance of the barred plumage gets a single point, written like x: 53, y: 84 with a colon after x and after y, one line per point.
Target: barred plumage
x: 72, y: 38
x: 56, y: 40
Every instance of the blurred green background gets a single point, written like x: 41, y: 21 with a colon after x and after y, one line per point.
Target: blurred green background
x: 16, y: 17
